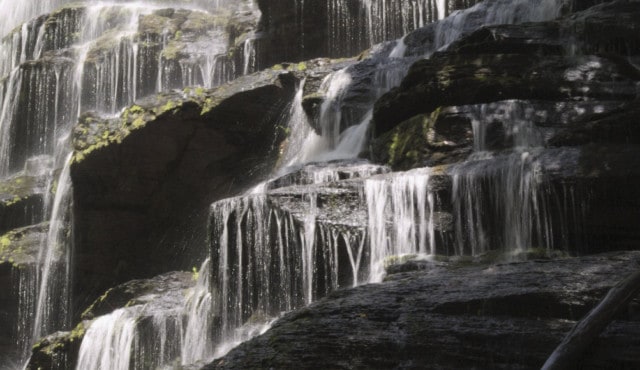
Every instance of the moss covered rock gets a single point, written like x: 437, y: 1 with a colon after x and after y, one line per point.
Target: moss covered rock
x: 21, y: 200
x: 20, y: 247
x: 143, y: 176
x: 138, y: 292
x: 442, y: 137
x: 57, y: 351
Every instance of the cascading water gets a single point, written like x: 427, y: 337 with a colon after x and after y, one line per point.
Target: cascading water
x: 504, y: 191
x: 90, y: 56
x: 114, y: 335
x: 197, y: 343
x: 401, y: 208
x: 490, y: 13
x: 168, y: 329
x: 270, y: 258
x: 400, y: 219
x: 351, y: 30
x: 16, y: 13
x: 52, y: 309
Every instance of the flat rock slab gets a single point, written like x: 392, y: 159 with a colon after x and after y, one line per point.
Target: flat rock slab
x: 459, y: 316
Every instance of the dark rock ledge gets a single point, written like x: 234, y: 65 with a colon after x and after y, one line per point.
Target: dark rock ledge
x: 453, y: 316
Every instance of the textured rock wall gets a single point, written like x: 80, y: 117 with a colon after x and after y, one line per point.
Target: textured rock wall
x: 143, y: 182
x: 295, y: 30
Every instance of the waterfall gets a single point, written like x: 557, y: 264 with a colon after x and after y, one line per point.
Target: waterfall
x: 168, y: 329
x: 400, y: 219
x: 249, y: 55
x: 108, y: 342
x: 504, y: 191
x: 274, y: 250
x: 52, y: 310
x: 15, y: 13
x: 197, y: 342
x: 268, y: 260
x: 299, y: 130
x: 88, y: 56
x: 352, y: 29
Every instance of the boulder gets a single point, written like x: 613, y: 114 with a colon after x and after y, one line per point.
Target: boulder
x: 452, y: 316
x: 140, y: 178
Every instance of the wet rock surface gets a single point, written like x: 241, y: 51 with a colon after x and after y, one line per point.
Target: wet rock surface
x: 509, y: 315
x: 568, y: 86
x: 528, y: 61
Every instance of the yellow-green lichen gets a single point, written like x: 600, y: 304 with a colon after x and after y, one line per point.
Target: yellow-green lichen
x: 77, y: 332
x: 138, y: 122
x: 396, y: 260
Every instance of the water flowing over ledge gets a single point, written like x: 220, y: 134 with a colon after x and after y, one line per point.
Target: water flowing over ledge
x: 494, y: 179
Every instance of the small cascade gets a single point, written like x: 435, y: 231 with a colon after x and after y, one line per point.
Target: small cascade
x: 502, y: 202
x: 249, y: 55
x: 27, y: 284
x: 504, y: 191
x: 275, y: 252
x: 343, y: 133
x: 299, y: 130
x: 401, y: 211
x: 352, y: 29
x: 354, y: 244
x: 166, y: 328
x: 52, y: 309
x: 330, y: 120
x: 387, y: 18
x: 108, y: 342
x: 6, y: 116
x: 253, y: 280
x: 197, y: 341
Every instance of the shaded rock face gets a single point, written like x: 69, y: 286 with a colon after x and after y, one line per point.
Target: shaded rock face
x: 21, y: 201
x: 8, y: 312
x: 295, y: 30
x: 451, y: 316
x: 19, y: 250
x: 158, y: 167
